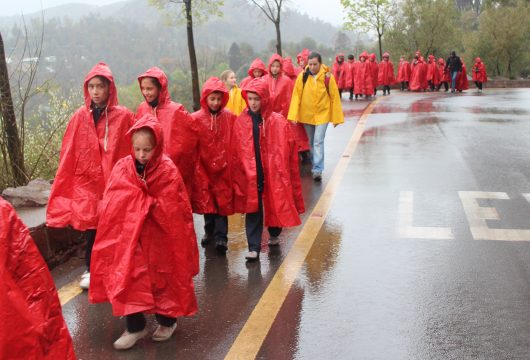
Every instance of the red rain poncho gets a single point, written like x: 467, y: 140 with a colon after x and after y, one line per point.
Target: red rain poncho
x: 212, y: 185
x: 417, y: 75
x: 479, y: 71
x: 350, y: 73
x: 288, y: 68
x: 280, y: 88
x: 462, y: 83
x: 432, y: 71
x: 444, y: 73
x: 375, y: 68
x: 32, y: 323
x: 145, y: 254
x: 403, y: 71
x: 302, y: 58
x: 340, y: 72
x: 386, y: 71
x: 180, y: 131
x: 88, y: 154
x: 282, y: 195
x: 363, y: 81
x: 257, y: 64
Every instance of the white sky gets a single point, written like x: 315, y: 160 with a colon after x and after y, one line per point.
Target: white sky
x: 327, y: 10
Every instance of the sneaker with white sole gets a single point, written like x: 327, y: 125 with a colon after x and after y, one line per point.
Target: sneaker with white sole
x: 85, y: 281
x: 127, y: 339
x: 252, y: 255
x: 274, y: 241
x: 163, y: 333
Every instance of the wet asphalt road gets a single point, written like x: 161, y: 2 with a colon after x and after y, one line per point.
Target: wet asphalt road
x: 424, y: 253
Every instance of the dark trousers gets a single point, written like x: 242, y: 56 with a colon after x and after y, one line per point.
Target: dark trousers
x: 404, y: 85
x: 386, y: 88
x: 90, y: 236
x: 351, y: 93
x: 136, y: 322
x: 254, y: 227
x: 479, y: 85
x: 216, y: 225
x: 445, y: 84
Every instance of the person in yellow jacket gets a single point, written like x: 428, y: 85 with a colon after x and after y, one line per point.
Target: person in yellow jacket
x: 235, y: 104
x: 316, y: 103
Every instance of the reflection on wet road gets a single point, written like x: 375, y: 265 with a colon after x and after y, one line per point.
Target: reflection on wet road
x: 423, y: 253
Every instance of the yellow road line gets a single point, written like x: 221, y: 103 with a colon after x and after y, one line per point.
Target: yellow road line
x: 255, y: 330
x: 69, y: 291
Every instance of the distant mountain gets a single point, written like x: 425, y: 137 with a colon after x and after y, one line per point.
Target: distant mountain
x: 240, y: 22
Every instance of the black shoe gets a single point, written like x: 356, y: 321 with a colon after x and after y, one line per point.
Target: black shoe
x: 207, y: 238
x: 221, y: 246
x: 317, y: 176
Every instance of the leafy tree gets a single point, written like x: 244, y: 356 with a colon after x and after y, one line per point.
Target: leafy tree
x: 234, y: 57
x: 188, y: 10
x: 503, y: 36
x: 342, y: 42
x: 369, y: 15
x: 273, y: 11
x: 430, y: 27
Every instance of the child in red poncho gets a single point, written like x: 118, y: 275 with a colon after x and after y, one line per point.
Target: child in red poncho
x: 145, y: 254
x: 479, y: 74
x: 32, y: 323
x: 264, y: 169
x: 212, y: 187
x: 180, y: 131
x: 93, y: 142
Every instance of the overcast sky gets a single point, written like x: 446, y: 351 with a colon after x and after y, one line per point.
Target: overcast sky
x: 328, y: 10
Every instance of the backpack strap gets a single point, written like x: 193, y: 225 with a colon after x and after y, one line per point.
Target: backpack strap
x: 306, y: 74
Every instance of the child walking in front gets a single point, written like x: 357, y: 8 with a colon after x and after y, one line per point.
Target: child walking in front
x: 145, y: 254
x: 264, y: 167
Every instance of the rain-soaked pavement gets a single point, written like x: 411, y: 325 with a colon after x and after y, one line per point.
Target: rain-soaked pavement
x: 424, y: 253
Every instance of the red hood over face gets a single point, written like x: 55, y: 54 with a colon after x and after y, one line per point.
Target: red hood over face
x: 211, y: 85
x: 157, y: 73
x: 101, y: 69
x: 288, y: 67
x: 478, y: 60
x: 304, y: 54
x: 257, y: 64
x: 261, y: 88
x: 364, y: 55
x: 273, y: 58
x: 149, y: 121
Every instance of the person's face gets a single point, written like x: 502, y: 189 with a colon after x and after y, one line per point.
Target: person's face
x: 275, y: 68
x: 314, y: 65
x: 385, y: 58
x: 257, y: 73
x: 254, y: 102
x: 341, y: 59
x: 214, y: 101
x: 143, y: 147
x: 149, y: 90
x: 302, y: 62
x: 98, y: 91
x: 231, y: 80
x: 362, y: 59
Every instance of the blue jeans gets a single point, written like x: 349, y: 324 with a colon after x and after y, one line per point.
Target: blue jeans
x: 316, y: 135
x: 454, y: 74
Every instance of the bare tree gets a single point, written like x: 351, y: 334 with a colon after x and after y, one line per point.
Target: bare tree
x: 272, y: 10
x: 189, y: 10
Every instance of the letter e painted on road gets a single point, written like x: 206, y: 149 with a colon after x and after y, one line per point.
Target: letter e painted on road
x: 477, y: 216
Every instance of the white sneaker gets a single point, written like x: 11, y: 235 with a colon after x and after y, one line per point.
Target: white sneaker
x: 252, y: 255
x: 274, y: 241
x: 127, y: 339
x: 85, y: 281
x: 163, y: 333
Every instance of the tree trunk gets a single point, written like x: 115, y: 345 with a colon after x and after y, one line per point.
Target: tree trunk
x: 379, y: 36
x: 10, y: 129
x: 193, y: 58
x: 278, y: 36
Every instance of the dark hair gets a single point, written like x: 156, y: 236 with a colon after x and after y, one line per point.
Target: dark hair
x: 453, y: 53
x: 314, y: 55
x: 154, y: 81
x: 350, y: 56
x: 103, y: 79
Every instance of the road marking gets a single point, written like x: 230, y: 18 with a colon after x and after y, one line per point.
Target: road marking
x: 477, y: 216
x: 69, y: 291
x: 250, y: 339
x: 405, y: 220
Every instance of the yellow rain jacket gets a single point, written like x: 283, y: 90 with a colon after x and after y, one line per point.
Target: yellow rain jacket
x: 314, y: 103
x: 236, y: 104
